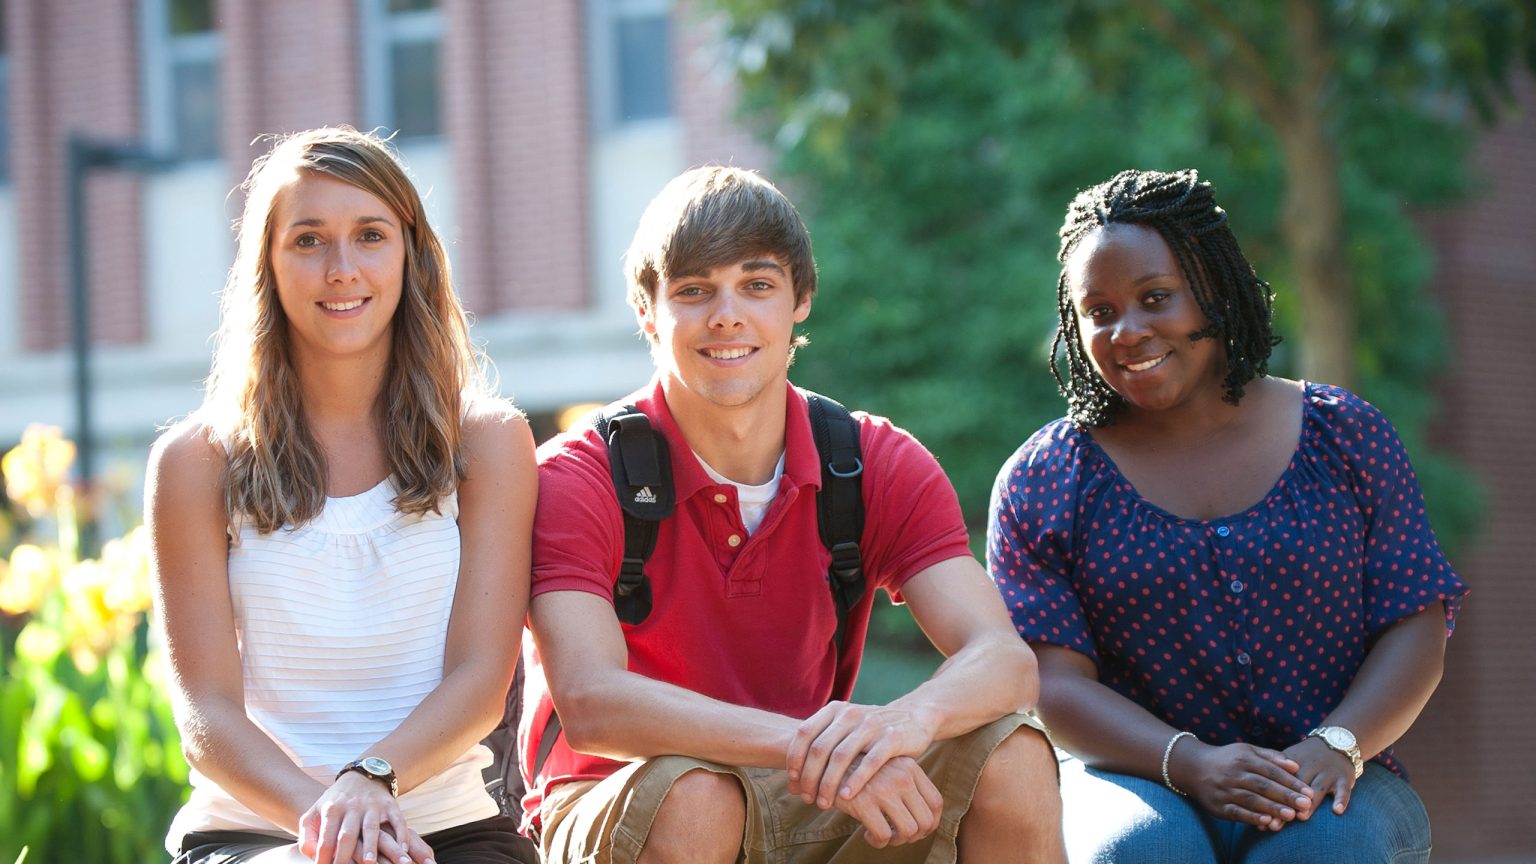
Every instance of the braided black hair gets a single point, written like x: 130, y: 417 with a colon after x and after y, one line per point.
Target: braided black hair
x: 1183, y: 210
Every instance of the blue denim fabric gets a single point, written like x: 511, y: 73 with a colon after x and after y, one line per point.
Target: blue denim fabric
x: 1118, y: 819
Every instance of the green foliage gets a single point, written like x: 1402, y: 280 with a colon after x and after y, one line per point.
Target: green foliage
x: 934, y: 225
x: 92, y: 770
x: 90, y: 762
x: 934, y: 145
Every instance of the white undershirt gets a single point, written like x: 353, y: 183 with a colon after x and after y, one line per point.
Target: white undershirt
x: 753, y: 500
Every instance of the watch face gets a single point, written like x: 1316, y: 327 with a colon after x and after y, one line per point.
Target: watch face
x: 1338, y: 736
x: 376, y: 766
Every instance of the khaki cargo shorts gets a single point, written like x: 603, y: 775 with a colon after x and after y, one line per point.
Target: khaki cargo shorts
x: 597, y: 822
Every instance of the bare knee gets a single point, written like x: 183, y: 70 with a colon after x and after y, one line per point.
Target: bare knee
x: 1018, y: 784
x: 702, y: 818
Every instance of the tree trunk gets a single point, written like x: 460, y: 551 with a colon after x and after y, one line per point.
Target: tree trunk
x: 1313, y: 221
x: 1313, y: 226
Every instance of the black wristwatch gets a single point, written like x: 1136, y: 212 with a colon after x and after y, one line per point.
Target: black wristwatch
x: 374, y: 768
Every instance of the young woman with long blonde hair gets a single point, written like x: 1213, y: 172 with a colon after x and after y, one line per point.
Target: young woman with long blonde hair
x: 341, y: 535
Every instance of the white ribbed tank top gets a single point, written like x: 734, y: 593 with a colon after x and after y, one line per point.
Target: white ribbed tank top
x: 342, y: 626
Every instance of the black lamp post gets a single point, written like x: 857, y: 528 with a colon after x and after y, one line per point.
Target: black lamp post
x: 82, y: 155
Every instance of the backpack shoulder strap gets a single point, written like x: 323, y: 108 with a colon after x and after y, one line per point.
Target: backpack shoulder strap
x: 641, y: 466
x: 840, y: 504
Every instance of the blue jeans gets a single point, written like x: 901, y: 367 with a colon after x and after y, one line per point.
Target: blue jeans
x: 1119, y: 819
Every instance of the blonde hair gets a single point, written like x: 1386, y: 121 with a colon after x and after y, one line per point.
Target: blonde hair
x: 253, y: 406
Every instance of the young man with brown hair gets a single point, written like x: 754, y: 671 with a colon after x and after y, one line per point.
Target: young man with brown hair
x: 716, y: 727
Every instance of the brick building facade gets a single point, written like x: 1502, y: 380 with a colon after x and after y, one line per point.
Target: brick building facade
x: 1473, y: 749
x: 537, y: 131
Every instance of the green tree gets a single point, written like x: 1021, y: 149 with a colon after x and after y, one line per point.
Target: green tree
x: 1310, y: 71
x: 935, y: 144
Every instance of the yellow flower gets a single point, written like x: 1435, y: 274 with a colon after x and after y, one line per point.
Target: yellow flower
x: 91, y: 624
x: 36, y: 468
x: 126, y: 562
x: 30, y: 575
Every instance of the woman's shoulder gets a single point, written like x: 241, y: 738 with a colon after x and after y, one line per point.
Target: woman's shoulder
x: 186, y: 467
x: 488, y: 412
x: 496, y: 430
x: 491, y: 417
x: 189, y: 446
x: 1343, y: 414
x: 1054, y: 450
x: 1058, y: 441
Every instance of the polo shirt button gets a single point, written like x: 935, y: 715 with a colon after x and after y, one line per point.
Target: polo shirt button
x: 734, y: 540
x: 720, y: 498
x: 1237, y: 586
x: 1223, y: 531
x: 1243, y: 659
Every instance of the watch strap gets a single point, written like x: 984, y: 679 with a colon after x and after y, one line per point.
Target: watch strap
x: 388, y: 779
x: 1351, y: 753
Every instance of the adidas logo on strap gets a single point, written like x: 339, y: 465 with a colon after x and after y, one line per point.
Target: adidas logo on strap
x: 645, y: 496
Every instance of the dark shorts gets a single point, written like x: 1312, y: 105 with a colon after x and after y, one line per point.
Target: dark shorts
x: 489, y: 841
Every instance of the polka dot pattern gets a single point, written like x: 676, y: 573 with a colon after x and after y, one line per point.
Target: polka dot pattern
x: 1244, y: 628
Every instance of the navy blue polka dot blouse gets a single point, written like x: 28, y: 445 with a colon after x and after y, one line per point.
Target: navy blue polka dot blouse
x: 1244, y: 628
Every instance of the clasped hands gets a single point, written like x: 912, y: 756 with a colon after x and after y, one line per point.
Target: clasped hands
x: 356, y: 821
x: 861, y: 759
x: 1263, y: 787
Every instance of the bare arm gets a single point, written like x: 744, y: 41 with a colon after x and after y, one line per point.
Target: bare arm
x: 606, y: 710
x: 1240, y: 782
x: 989, y: 672
x: 1399, y: 674
x: 496, y: 502
x: 184, y: 511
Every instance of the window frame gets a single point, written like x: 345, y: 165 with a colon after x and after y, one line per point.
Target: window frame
x: 163, y: 52
x: 604, y: 91
x: 381, y: 31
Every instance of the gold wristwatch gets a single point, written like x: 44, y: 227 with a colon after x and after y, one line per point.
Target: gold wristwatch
x: 1342, y: 740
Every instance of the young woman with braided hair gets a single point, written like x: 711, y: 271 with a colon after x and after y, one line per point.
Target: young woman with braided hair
x: 1235, y: 596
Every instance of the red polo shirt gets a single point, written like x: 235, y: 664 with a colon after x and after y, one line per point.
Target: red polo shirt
x: 746, y: 620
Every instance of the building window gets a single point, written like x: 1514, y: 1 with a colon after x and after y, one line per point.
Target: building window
x: 402, y: 88
x: 182, y: 50
x: 630, y: 45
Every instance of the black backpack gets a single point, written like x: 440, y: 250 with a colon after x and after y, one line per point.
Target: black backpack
x: 640, y: 463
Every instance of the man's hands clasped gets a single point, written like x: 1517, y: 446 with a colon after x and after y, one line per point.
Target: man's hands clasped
x: 861, y: 759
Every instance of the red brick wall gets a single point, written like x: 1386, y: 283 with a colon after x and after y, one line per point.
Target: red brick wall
x: 706, y: 97
x: 73, y: 71
x: 1474, y: 749
x: 288, y: 65
x: 515, y: 114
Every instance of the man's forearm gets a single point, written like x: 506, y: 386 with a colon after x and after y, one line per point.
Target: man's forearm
x: 624, y: 716
x: 977, y: 685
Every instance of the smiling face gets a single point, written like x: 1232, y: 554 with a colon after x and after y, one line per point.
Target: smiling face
x: 1136, y: 315
x: 724, y: 336
x: 337, y: 256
